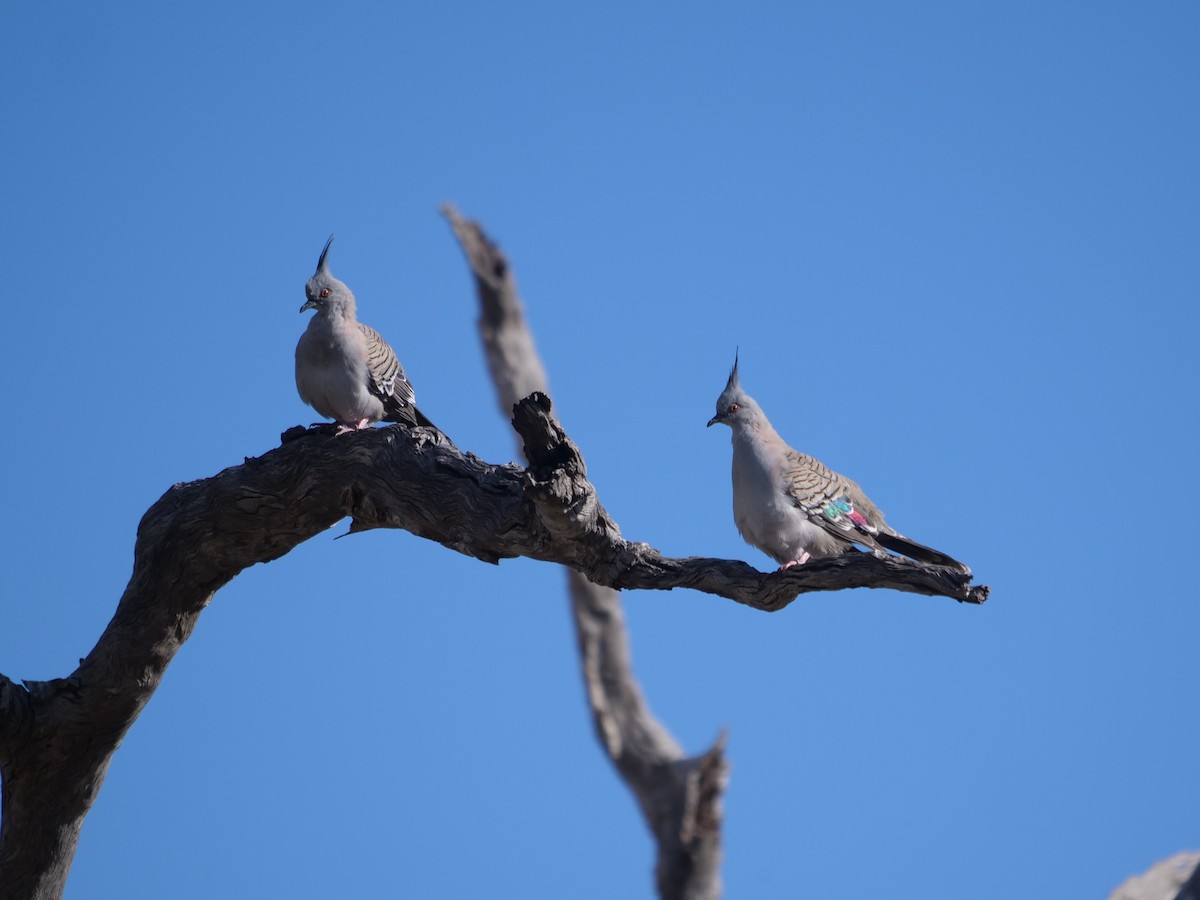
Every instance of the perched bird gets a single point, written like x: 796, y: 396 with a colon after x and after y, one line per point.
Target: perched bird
x: 793, y: 508
x: 344, y: 369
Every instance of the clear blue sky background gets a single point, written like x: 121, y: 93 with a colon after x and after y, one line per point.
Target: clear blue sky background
x: 957, y: 245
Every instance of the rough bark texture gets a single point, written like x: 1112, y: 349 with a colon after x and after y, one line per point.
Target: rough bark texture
x: 57, y: 737
x: 680, y: 797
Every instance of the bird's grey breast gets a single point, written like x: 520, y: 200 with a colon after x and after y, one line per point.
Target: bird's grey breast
x: 758, y: 501
x: 331, y: 372
x: 764, y: 507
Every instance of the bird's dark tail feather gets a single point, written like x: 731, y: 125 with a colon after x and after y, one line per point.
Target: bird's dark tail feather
x: 415, y: 418
x: 423, y: 420
x: 412, y: 417
x: 902, y: 545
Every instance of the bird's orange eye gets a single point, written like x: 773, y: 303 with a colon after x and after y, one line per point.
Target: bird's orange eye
x: 734, y: 407
x: 324, y: 293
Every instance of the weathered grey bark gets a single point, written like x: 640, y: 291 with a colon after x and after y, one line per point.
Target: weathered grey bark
x: 57, y: 737
x: 1176, y: 878
x: 680, y: 796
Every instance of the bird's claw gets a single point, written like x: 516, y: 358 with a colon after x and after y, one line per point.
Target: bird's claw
x: 798, y: 561
x: 348, y: 429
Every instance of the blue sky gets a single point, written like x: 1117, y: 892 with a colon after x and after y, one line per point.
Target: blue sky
x: 957, y: 245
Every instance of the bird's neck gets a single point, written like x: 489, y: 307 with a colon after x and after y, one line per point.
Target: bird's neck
x: 754, y: 437
x: 341, y: 315
x: 760, y: 427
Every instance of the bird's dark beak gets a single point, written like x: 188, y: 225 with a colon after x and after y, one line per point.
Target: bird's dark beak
x: 308, y: 304
x: 713, y: 421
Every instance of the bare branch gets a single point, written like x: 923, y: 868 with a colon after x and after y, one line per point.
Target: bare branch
x: 57, y: 737
x: 1175, y: 878
x: 512, y: 357
x: 680, y: 797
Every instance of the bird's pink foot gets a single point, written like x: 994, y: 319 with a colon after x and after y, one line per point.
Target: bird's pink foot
x: 357, y: 426
x: 798, y: 561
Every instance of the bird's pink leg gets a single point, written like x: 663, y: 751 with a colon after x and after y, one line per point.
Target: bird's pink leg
x: 800, y: 560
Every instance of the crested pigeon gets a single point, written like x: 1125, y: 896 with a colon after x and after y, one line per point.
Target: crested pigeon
x: 792, y: 507
x: 344, y: 369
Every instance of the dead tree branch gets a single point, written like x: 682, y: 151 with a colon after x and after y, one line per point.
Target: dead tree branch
x: 680, y: 796
x: 57, y: 737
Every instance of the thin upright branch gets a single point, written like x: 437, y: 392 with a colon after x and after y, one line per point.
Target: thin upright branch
x: 680, y: 796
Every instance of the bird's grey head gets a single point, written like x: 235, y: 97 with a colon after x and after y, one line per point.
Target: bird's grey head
x: 324, y: 292
x: 735, y: 407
